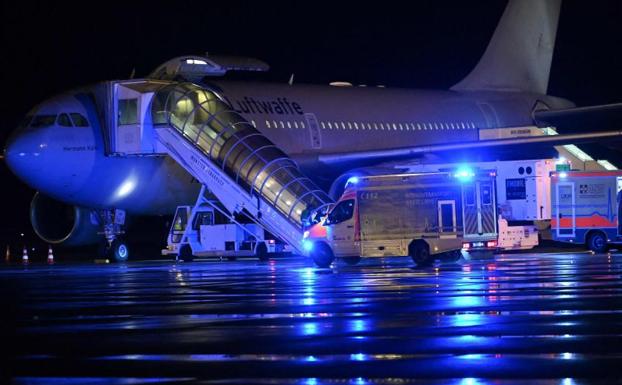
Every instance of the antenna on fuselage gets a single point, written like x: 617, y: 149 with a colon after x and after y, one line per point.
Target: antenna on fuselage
x: 133, y: 73
x: 291, y: 80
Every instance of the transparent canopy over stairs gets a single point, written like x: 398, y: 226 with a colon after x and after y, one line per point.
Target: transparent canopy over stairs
x: 237, y: 163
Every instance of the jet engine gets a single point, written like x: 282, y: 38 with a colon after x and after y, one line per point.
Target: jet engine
x: 60, y: 223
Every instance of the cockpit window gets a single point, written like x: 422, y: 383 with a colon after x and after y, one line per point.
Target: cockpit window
x: 25, y: 122
x: 63, y: 120
x: 43, y: 121
x: 79, y: 120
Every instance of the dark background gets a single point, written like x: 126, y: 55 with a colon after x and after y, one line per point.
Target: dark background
x: 48, y: 48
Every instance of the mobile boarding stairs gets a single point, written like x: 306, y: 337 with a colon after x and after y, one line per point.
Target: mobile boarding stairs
x: 242, y: 168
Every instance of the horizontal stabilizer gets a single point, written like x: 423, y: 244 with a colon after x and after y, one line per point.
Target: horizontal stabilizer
x: 593, y: 118
x: 475, y: 146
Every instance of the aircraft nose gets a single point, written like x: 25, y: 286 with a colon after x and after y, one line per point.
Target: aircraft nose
x: 24, y: 154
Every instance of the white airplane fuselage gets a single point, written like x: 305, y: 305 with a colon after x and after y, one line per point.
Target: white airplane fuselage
x: 69, y: 163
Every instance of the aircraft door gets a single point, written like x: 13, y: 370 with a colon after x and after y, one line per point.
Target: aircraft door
x: 314, y: 131
x: 131, y: 120
x: 565, y: 210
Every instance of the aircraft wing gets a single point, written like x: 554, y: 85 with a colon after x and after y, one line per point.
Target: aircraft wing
x: 596, y: 118
x: 548, y: 139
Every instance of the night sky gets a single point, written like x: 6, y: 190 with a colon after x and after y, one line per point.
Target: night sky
x: 48, y: 48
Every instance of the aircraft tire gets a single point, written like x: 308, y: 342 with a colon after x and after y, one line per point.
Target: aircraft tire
x: 118, y: 251
x: 322, y: 255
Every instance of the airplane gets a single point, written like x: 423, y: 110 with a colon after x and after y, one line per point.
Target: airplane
x: 91, y: 153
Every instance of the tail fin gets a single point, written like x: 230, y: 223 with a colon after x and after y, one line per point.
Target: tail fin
x: 518, y: 57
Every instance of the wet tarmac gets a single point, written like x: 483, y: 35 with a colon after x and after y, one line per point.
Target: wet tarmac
x: 513, y: 319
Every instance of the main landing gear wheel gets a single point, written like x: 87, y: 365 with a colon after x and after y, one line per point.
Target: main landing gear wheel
x: 322, y: 255
x: 185, y: 253
x: 118, y: 251
x: 597, y: 242
x: 261, y: 251
x: 352, y: 260
x: 420, y: 253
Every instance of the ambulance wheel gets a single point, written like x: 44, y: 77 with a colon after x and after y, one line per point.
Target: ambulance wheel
x: 419, y: 252
x: 597, y: 242
x: 322, y: 255
x: 352, y: 260
x: 118, y: 251
x: 261, y: 251
x: 455, y: 255
x: 185, y: 253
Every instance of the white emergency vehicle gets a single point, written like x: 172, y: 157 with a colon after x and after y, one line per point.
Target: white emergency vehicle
x: 416, y: 215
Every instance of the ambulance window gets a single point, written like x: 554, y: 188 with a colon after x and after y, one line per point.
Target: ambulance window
x: 515, y: 189
x: 486, y: 194
x: 342, y: 212
x: 469, y: 195
x: 63, y: 120
x: 43, y: 121
x: 128, y: 111
x: 79, y: 120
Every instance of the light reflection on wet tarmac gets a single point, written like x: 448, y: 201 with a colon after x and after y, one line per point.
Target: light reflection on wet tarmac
x: 544, y: 319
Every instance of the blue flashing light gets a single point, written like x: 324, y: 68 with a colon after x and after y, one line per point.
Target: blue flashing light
x: 352, y: 180
x: 307, y: 245
x: 563, y: 175
x: 464, y: 173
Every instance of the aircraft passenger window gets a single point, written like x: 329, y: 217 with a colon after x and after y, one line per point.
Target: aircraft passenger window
x: 349, y: 125
x: 282, y: 124
x: 63, y: 120
x: 43, y: 121
x: 296, y: 124
x: 253, y: 123
x: 302, y: 125
x: 274, y: 124
x: 267, y: 124
x: 343, y: 125
x: 356, y: 126
x: 462, y: 124
x: 78, y: 119
x: 289, y: 125
x: 323, y: 125
x: 128, y: 111
x: 394, y: 126
x: 342, y: 212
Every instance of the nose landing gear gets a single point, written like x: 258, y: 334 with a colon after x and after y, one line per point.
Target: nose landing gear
x: 113, y: 221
